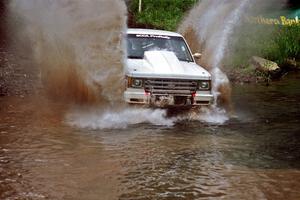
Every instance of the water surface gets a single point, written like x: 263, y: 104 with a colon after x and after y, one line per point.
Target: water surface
x: 255, y: 155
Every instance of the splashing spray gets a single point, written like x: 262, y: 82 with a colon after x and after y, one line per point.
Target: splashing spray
x: 123, y: 118
x: 219, y: 78
x: 211, y: 23
x: 77, y: 46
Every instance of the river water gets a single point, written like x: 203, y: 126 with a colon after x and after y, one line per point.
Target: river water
x: 255, y: 155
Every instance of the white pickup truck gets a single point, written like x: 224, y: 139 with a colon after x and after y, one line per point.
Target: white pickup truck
x: 161, y: 71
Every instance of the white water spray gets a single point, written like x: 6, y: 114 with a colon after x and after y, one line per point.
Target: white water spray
x: 123, y: 118
x: 232, y: 20
x: 213, y: 23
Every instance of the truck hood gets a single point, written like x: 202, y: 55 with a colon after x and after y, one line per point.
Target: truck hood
x: 164, y: 64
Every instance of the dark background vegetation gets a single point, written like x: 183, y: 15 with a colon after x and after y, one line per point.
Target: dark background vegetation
x: 166, y: 14
x: 2, y: 21
x: 159, y: 14
x: 294, y: 3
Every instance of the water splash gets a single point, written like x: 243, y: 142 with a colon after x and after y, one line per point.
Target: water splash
x: 209, y: 27
x: 212, y: 23
x: 76, y: 44
x: 232, y: 20
x: 118, y: 119
x: 122, y: 118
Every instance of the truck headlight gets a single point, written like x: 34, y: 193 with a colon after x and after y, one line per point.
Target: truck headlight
x: 204, y: 85
x: 135, y: 82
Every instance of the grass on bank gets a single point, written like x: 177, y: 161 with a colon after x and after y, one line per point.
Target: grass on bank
x: 161, y: 14
x: 276, y: 43
x: 285, y: 44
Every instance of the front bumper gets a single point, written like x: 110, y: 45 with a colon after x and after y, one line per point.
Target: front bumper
x: 139, y: 96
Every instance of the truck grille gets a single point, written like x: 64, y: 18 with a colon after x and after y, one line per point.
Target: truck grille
x: 170, y: 86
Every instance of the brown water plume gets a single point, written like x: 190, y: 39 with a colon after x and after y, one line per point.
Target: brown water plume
x: 209, y: 26
x: 77, y: 45
x: 202, y: 25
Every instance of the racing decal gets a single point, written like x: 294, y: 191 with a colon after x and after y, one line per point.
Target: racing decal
x: 153, y: 36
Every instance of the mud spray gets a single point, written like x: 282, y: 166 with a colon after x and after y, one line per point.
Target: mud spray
x: 79, y: 48
x: 210, y: 24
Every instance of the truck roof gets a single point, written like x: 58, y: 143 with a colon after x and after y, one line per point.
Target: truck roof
x: 152, y: 31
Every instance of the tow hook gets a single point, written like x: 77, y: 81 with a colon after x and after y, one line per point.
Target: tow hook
x: 188, y: 102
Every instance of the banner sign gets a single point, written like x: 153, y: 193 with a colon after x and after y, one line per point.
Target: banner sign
x: 282, y: 20
x: 291, y: 19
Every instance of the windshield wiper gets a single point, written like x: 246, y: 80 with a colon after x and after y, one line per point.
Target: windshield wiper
x: 185, y: 60
x: 135, y: 57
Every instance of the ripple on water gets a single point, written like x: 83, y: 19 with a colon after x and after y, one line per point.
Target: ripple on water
x: 187, y: 174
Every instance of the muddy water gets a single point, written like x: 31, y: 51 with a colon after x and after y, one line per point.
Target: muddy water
x: 252, y: 156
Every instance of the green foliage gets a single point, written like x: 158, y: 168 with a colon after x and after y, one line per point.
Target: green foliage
x: 162, y: 14
x: 276, y: 43
x: 286, y: 44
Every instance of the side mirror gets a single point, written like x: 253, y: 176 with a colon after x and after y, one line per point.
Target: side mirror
x: 197, y: 55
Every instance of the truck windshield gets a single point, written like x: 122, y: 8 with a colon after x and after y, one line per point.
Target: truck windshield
x: 137, y: 44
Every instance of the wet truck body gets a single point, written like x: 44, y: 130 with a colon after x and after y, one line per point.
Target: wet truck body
x: 161, y: 71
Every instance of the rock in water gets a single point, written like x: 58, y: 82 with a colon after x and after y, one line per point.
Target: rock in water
x: 264, y: 65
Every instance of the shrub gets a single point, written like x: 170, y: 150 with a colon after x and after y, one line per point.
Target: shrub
x: 162, y: 14
x: 276, y: 43
x: 286, y: 44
